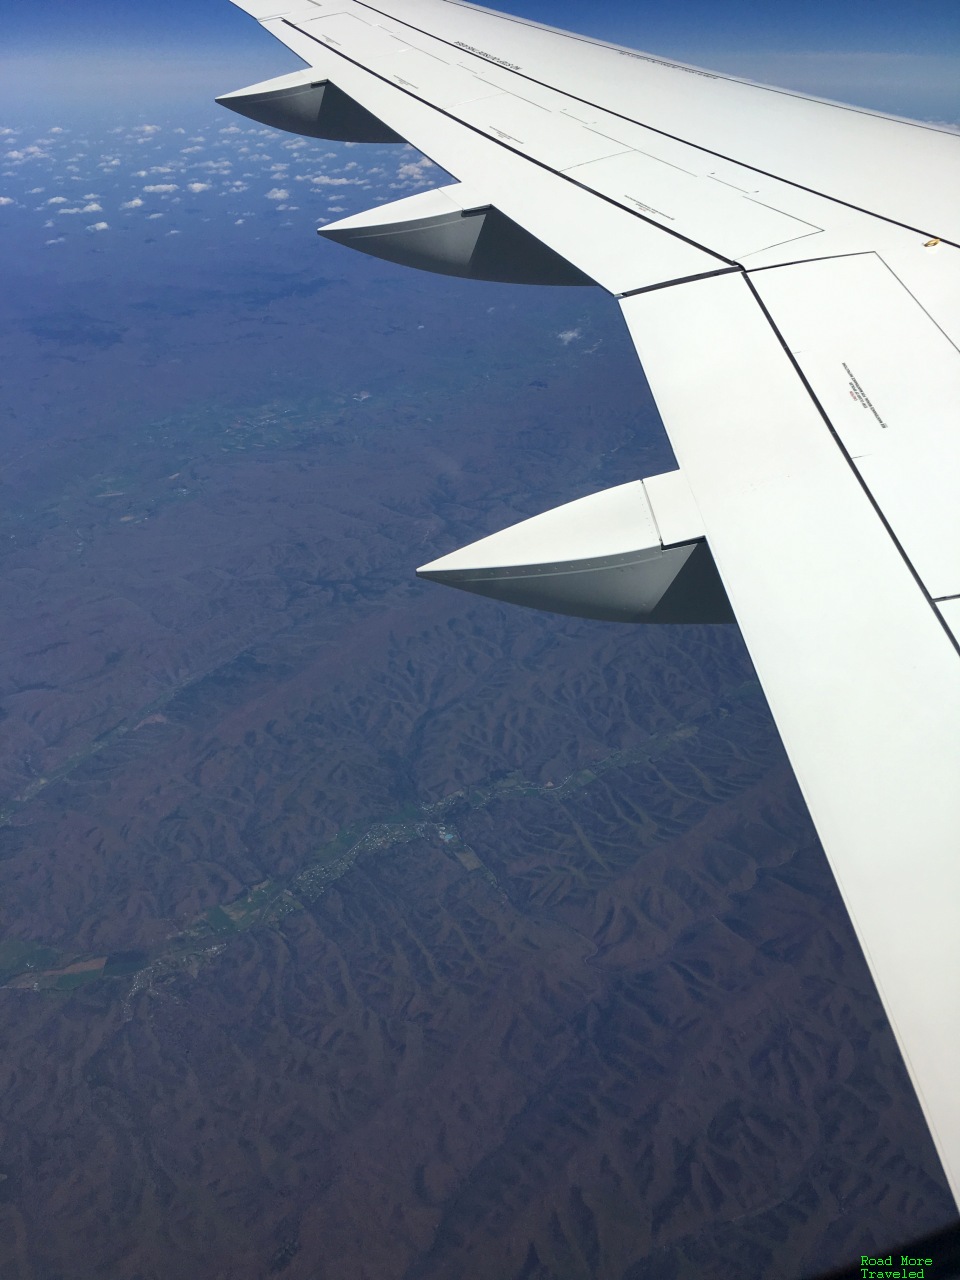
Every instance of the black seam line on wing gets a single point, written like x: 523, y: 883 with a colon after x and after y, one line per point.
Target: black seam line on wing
x: 671, y: 63
x: 850, y: 463
x: 540, y: 164
x: 668, y: 284
x: 944, y: 599
x: 720, y: 155
x: 799, y: 262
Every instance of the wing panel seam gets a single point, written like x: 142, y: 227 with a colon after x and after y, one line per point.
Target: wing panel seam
x: 955, y: 642
x: 719, y: 155
x: 497, y: 141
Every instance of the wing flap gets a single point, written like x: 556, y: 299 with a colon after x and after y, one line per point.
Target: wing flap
x: 860, y: 674
x: 889, y: 380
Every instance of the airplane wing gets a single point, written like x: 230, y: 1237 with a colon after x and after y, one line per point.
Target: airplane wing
x: 789, y: 271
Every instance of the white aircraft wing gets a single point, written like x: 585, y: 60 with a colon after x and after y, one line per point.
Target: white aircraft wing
x: 789, y: 270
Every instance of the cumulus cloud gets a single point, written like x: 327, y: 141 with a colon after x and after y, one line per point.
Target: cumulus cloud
x: 568, y: 336
x: 323, y: 180
x: 6, y: 200
x: 135, y: 203
x: 58, y: 200
x: 145, y: 128
x: 278, y: 193
x: 151, y: 216
x: 198, y: 186
x: 56, y: 240
x: 99, y: 226
x: 162, y: 187
x: 414, y: 168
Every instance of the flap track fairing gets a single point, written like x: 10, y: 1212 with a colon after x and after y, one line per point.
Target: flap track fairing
x: 300, y: 103
x: 447, y: 232
x: 605, y: 556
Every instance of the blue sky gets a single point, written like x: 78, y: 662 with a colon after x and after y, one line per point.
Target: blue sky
x: 104, y: 54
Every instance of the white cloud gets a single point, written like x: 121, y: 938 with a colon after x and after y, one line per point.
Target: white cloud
x: 173, y: 233
x: 568, y: 336
x: 151, y: 216
x: 92, y: 207
x: 198, y: 186
x: 56, y: 129
x: 231, y: 128
x: 99, y: 226
x: 162, y: 187
x: 278, y: 193
x: 415, y: 171
x: 322, y: 180
x: 91, y: 195
x: 145, y: 128
x: 6, y: 200
x: 135, y: 203
x: 75, y: 209
x: 34, y: 191
x: 56, y: 240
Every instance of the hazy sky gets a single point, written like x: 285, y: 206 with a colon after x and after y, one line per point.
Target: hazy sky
x: 901, y: 56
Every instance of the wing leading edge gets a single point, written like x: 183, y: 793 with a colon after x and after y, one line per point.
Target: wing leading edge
x: 798, y: 319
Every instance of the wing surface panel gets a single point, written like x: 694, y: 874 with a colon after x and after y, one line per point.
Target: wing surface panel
x: 706, y: 212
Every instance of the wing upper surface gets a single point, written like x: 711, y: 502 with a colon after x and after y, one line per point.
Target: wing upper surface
x: 786, y: 271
